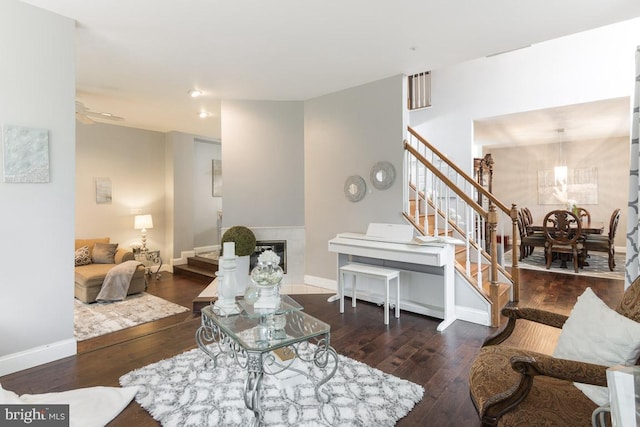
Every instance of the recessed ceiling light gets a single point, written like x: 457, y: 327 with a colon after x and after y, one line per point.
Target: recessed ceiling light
x: 194, y: 93
x: 204, y: 114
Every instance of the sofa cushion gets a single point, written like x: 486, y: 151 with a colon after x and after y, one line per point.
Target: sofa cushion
x: 89, y: 279
x: 104, y: 253
x: 91, y: 242
x: 595, y: 333
x: 83, y: 256
x: 92, y: 274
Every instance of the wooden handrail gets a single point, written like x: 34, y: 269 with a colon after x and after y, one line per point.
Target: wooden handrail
x: 450, y: 184
x: 490, y: 215
x: 459, y: 171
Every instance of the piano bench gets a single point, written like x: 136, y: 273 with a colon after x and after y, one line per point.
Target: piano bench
x: 354, y: 270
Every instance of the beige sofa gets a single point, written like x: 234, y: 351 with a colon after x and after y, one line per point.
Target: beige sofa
x: 89, y: 277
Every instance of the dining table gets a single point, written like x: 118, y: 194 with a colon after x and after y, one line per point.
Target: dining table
x: 588, y: 227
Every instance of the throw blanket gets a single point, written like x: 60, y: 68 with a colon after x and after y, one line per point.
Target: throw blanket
x: 116, y: 282
x: 88, y: 407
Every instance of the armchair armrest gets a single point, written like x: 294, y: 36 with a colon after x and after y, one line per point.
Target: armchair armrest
x: 532, y: 314
x: 563, y: 369
x: 531, y: 364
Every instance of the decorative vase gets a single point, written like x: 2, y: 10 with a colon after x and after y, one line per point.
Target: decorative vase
x: 266, y: 276
x: 226, y: 302
x: 245, y: 245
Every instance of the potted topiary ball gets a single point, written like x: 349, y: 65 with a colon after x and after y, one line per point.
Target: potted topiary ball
x: 245, y: 243
x: 243, y: 237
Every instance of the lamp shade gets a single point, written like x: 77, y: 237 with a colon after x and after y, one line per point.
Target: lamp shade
x: 142, y: 221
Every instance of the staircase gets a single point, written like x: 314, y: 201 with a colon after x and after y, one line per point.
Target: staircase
x: 198, y: 267
x: 442, y: 200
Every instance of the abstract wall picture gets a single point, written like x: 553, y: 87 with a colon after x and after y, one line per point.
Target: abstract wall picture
x: 216, y: 168
x: 26, y: 154
x: 579, y: 184
x: 103, y: 190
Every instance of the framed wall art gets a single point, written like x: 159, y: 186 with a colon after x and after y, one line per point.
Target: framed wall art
x: 26, y: 154
x: 103, y: 191
x: 216, y: 174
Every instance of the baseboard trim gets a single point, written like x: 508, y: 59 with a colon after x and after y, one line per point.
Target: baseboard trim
x: 321, y: 282
x: 473, y: 315
x: 37, y: 356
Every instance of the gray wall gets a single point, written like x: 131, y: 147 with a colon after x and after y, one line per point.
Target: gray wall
x: 37, y: 83
x: 346, y: 133
x: 206, y: 207
x: 263, y: 163
x: 516, y: 176
x: 179, y: 191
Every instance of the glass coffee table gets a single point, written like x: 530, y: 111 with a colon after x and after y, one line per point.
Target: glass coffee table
x: 268, y: 342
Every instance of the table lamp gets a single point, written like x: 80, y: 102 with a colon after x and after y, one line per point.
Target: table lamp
x: 142, y: 222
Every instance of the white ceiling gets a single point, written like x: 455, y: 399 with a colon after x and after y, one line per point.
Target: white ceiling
x: 594, y: 120
x: 138, y: 58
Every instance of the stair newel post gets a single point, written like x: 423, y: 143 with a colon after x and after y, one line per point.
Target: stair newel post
x: 492, y: 220
x: 515, y: 271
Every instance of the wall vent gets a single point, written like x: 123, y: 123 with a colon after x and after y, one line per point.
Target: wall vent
x: 419, y: 91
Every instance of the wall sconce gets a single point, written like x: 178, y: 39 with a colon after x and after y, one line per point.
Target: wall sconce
x: 142, y: 222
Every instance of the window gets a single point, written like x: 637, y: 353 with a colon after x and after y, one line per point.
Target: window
x: 419, y: 91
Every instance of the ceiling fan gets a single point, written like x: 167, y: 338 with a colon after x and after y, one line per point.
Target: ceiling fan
x: 86, y: 115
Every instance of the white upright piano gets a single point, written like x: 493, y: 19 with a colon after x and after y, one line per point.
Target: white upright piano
x: 426, y: 268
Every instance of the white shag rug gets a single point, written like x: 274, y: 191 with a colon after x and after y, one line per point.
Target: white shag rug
x: 186, y: 390
x: 95, y: 319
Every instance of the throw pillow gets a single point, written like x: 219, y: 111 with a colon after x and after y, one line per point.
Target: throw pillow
x: 595, y: 333
x: 83, y: 256
x: 104, y: 253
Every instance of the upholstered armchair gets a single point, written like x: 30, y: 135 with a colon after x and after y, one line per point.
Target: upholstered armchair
x: 516, y: 387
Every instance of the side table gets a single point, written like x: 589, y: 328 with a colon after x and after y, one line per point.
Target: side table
x: 252, y: 337
x: 150, y: 259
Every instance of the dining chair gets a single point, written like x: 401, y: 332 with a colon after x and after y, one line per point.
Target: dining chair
x: 583, y: 214
x: 563, y: 234
x: 602, y: 243
x: 528, y: 216
x: 528, y: 241
x: 528, y: 220
x: 524, y: 249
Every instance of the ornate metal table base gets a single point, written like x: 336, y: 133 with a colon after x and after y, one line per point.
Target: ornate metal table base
x: 260, y: 359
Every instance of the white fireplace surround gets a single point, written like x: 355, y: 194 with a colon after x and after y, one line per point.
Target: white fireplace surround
x: 294, y: 236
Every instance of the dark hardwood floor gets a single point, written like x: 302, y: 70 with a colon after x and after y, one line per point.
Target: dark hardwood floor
x: 408, y: 347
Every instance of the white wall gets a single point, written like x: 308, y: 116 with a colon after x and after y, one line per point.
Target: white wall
x: 206, y: 207
x: 583, y: 67
x: 134, y: 160
x: 346, y: 133
x: 37, y: 83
